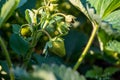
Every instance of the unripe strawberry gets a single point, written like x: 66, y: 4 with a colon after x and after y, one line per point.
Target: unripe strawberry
x: 58, y: 47
x: 25, y: 31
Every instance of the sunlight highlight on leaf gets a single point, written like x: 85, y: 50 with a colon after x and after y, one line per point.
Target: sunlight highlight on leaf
x: 7, y: 10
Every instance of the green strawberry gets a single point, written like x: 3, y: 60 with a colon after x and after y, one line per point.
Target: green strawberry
x: 58, y: 47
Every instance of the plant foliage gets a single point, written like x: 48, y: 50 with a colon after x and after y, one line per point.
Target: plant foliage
x: 52, y: 38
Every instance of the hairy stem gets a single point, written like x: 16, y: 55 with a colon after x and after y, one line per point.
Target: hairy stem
x: 56, y: 14
x: 44, y: 31
x: 95, y: 28
x: 7, y: 58
x: 30, y: 51
x: 45, y: 24
x: 32, y: 45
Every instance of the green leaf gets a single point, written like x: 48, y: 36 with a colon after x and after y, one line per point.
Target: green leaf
x: 16, y: 28
x: 22, y: 2
x: 108, y: 28
x: 18, y: 44
x: 78, y: 40
x: 111, y: 57
x: 114, y: 20
x: 19, y: 72
x: 95, y: 72
x: 104, y: 7
x: 111, y: 21
x: 7, y: 10
x: 49, y: 59
x: 104, y: 10
x: 78, y: 4
x: 100, y: 5
x: 52, y: 72
x: 63, y: 72
x: 113, y: 46
x: 110, y: 71
x: 110, y: 53
x: 30, y: 4
x: 49, y: 44
x: 42, y: 73
x: 112, y: 6
x: 30, y: 17
x: 93, y: 16
x: 99, y: 73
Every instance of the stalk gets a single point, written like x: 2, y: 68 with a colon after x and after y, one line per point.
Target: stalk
x: 32, y: 45
x: 56, y: 14
x: 95, y: 28
x: 30, y: 51
x: 45, y: 24
x: 7, y: 58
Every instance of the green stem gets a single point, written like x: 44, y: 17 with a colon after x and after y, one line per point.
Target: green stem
x: 7, y: 58
x: 44, y: 31
x: 30, y: 51
x: 45, y: 24
x: 45, y: 2
x: 95, y: 28
x: 32, y: 45
x: 61, y: 14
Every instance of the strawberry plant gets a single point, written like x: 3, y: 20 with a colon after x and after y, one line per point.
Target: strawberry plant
x: 40, y: 38
x: 102, y: 23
